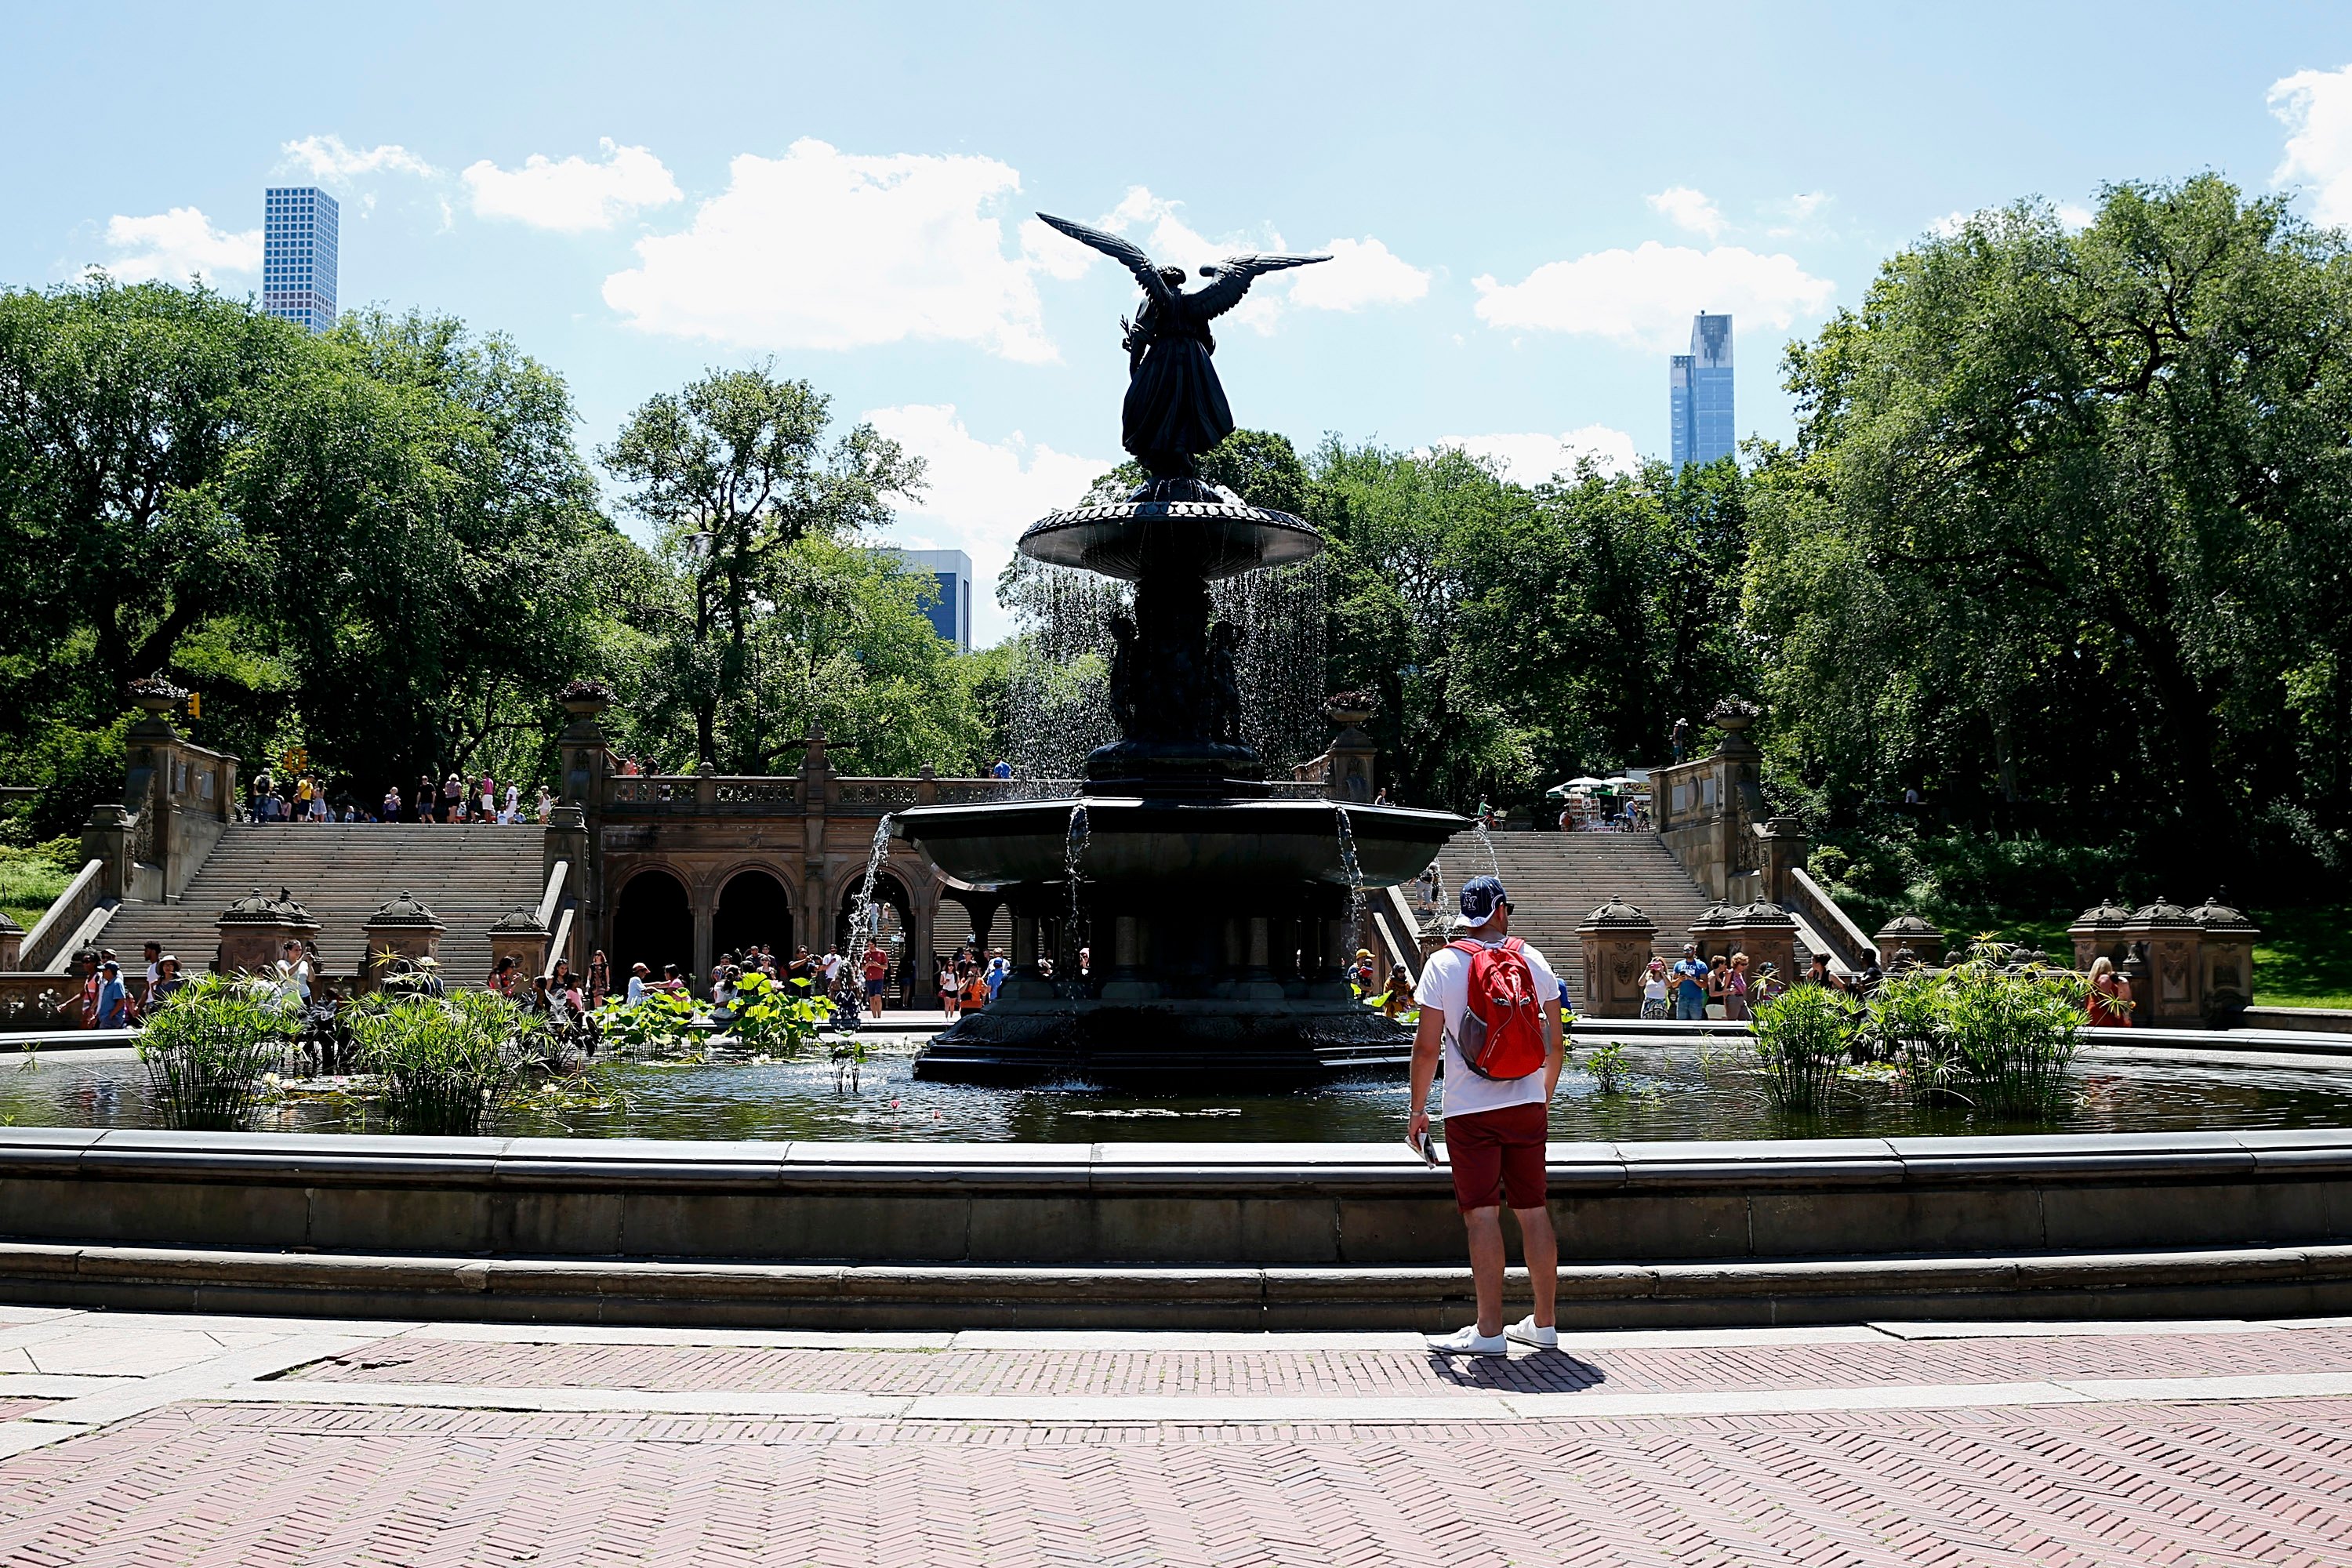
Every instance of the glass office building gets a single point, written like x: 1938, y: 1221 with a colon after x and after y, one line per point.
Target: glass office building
x: 951, y: 613
x: 300, y: 227
x: 1698, y: 394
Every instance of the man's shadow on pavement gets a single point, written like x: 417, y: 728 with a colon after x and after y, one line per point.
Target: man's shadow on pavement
x: 1529, y: 1372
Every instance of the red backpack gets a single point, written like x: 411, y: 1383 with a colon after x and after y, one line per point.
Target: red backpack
x: 1501, y: 1032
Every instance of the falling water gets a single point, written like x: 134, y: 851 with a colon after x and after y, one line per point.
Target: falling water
x: 1058, y: 688
x: 1279, y: 664
x: 1355, y: 871
x: 1074, y: 850
x: 869, y: 920
x: 1486, y: 842
x: 1059, y: 684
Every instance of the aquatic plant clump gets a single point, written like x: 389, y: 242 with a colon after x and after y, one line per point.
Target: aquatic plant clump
x: 1990, y: 1032
x: 448, y: 1064
x: 209, y: 1048
x: 776, y: 1017
x: 1803, y: 1039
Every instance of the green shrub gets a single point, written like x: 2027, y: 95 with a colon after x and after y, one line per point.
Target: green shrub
x: 448, y: 1064
x: 1801, y: 1041
x: 209, y: 1047
x: 1608, y: 1065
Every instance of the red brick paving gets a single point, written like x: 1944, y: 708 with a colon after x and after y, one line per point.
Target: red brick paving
x: 10, y: 1409
x: 2067, y: 1486
x: 695, y: 1368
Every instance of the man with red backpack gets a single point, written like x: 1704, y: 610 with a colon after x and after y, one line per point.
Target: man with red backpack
x: 1490, y: 1008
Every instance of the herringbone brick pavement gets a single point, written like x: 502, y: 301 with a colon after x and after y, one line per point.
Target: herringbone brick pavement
x: 1327, y: 1372
x: 2266, y: 1482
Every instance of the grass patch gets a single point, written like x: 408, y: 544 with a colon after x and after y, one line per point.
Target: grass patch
x: 31, y: 879
x: 2305, y: 958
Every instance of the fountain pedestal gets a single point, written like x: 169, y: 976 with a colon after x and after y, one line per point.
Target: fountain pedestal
x: 1213, y: 916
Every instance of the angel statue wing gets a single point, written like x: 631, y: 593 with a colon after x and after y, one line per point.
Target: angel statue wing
x: 1233, y: 276
x: 1127, y: 254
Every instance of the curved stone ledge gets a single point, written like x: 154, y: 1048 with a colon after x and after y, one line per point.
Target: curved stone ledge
x: 1351, y: 1205
x: 2252, y: 1282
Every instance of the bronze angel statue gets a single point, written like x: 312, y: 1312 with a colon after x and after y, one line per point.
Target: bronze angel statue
x: 1175, y: 408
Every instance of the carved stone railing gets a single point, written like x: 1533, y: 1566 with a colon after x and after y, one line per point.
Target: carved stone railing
x: 634, y: 794
x: 756, y: 794
x: 1811, y: 902
x: 649, y: 790
x: 866, y: 796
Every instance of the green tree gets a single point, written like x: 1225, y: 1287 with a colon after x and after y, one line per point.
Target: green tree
x: 2060, y: 535
x: 735, y: 472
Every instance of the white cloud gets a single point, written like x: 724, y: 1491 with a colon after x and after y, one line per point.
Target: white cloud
x: 328, y: 158
x: 1805, y: 204
x: 1689, y: 210
x: 1360, y: 272
x: 1646, y: 297
x: 979, y: 495
x: 574, y: 195
x: 1532, y: 459
x: 1950, y: 223
x: 2317, y: 108
x: 2075, y: 214
x: 177, y: 244
x: 821, y: 249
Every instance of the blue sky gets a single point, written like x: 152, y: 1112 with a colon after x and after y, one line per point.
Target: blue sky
x: 1528, y: 202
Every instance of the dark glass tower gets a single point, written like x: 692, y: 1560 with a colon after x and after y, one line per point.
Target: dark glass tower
x: 1698, y: 391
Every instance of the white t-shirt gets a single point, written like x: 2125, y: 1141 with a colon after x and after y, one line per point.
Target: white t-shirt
x: 1445, y: 985
x: 832, y: 967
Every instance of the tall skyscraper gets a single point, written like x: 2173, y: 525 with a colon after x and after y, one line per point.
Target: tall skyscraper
x: 1698, y: 394
x: 300, y: 227
x: 951, y: 613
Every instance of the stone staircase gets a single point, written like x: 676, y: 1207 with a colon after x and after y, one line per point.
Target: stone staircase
x: 341, y: 872
x: 1556, y: 879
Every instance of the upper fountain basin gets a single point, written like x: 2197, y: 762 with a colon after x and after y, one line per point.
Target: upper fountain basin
x: 1216, y: 537
x: 1128, y: 839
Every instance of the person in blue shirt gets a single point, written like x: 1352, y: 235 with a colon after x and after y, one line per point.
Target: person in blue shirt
x: 1689, y: 975
x: 113, y: 996
x: 1003, y: 770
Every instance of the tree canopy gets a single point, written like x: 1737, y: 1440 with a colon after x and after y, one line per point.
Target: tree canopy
x: 2059, y: 542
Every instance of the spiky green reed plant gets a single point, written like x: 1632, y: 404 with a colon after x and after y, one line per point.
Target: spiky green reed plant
x: 1801, y: 1041
x: 209, y: 1047
x: 448, y: 1064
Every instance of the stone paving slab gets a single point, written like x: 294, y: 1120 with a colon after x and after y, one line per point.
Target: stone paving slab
x: 295, y: 1443
x: 1406, y: 1369
x: 2134, y: 1485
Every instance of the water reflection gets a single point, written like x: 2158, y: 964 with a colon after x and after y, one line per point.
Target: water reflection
x: 1672, y: 1091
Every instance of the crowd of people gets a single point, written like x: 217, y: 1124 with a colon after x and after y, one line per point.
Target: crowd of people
x: 303, y: 798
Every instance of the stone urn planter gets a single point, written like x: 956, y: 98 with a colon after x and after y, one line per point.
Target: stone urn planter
x: 1351, y: 710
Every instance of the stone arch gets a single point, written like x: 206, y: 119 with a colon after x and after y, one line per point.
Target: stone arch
x: 890, y: 887
x: 653, y: 924
x: 753, y: 904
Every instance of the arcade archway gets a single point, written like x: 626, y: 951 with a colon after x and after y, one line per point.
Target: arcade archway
x: 896, y: 922
x: 753, y: 908
x: 653, y: 924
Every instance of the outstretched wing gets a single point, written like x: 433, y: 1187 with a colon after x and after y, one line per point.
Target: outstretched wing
x: 1233, y: 276
x: 1127, y: 254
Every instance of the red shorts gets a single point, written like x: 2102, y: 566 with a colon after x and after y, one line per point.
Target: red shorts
x: 1499, y: 1157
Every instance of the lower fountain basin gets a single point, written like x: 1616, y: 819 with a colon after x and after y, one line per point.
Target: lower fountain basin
x: 997, y: 845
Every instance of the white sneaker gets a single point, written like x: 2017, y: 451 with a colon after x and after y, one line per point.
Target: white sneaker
x: 1527, y: 1334
x: 1470, y: 1342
